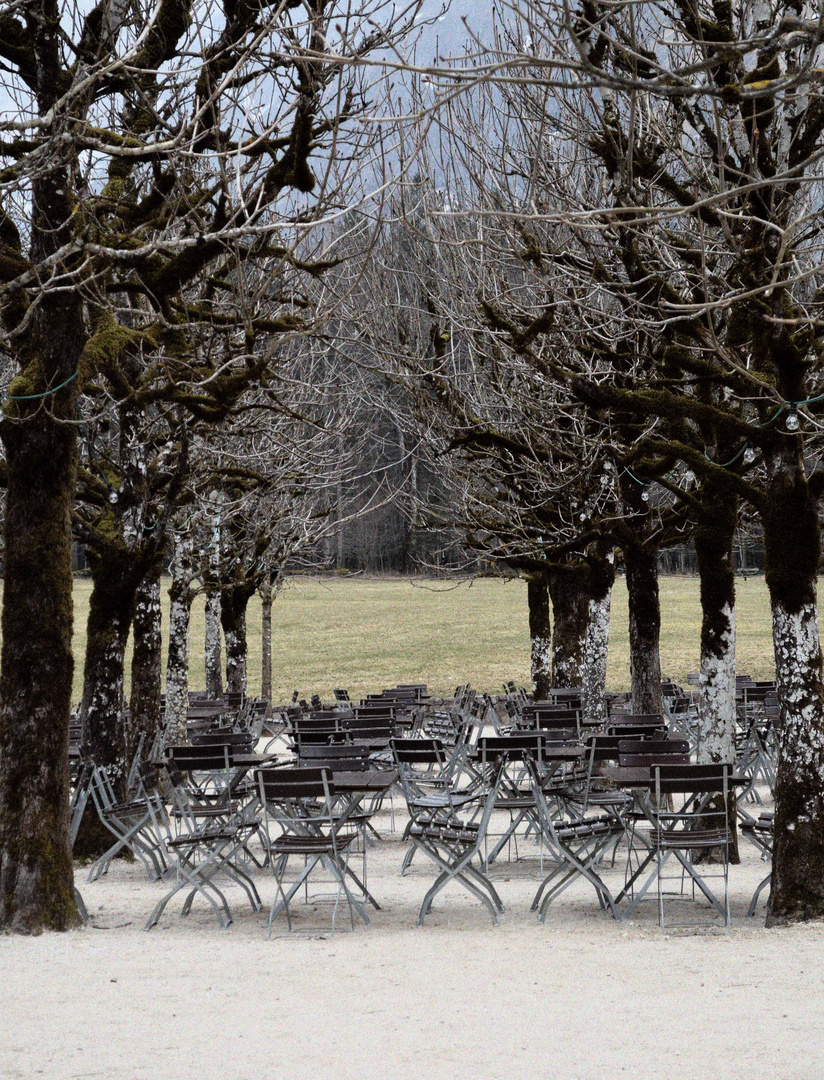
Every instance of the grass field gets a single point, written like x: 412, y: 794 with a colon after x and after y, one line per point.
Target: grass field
x: 366, y: 633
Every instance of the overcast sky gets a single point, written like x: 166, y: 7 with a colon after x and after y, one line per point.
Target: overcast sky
x: 448, y: 34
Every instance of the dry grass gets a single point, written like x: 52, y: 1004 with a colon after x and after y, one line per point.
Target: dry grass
x: 366, y: 633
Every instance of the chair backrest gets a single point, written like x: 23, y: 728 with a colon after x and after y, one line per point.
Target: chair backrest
x: 342, y: 756
x: 516, y: 747
x: 603, y: 747
x: 207, y: 758
x: 374, y: 728
x: 638, y: 731
x: 557, y: 728
x: 634, y: 753
x: 292, y: 783
x: 638, y: 718
x: 241, y: 742
x: 686, y: 779
x: 418, y: 752
x: 316, y: 729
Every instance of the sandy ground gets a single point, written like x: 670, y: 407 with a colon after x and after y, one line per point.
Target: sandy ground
x: 579, y: 996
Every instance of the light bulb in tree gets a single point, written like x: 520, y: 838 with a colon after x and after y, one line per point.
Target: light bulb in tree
x: 645, y: 495
x: 689, y: 477
x: 792, y: 423
x: 749, y: 454
x: 112, y: 497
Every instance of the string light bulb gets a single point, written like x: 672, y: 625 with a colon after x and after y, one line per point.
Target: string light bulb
x: 792, y: 423
x: 645, y: 495
x: 112, y: 497
x: 749, y: 453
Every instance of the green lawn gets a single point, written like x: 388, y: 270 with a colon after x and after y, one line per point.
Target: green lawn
x: 366, y: 633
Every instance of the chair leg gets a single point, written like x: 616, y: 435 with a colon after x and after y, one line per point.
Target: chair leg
x: 754, y: 902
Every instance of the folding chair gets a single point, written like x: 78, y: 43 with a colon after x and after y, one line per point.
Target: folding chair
x: 426, y: 772
x: 132, y: 823
x: 210, y: 834
x: 453, y: 844
x: 301, y: 802
x: 576, y: 846
x: 696, y: 821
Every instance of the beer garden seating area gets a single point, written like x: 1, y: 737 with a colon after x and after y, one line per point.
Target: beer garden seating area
x: 277, y: 809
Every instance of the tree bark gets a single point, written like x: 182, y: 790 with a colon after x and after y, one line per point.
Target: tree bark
x: 213, y: 653
x: 569, y: 591
x: 540, y: 635
x: 714, y: 535
x: 792, y: 544
x: 641, y: 565
x: 267, y: 596
x: 596, y: 650
x: 181, y: 596
x: 36, y: 878
x: 234, y: 600
x: 111, y: 610
x: 147, y: 660
x: 40, y: 438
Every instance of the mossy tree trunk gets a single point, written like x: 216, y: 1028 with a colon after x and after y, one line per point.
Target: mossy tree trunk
x: 792, y: 544
x: 111, y: 610
x: 36, y: 879
x: 40, y: 439
x: 234, y: 600
x: 569, y: 591
x: 147, y: 661
x: 540, y: 635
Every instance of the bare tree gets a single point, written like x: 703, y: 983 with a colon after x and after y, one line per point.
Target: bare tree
x: 141, y: 154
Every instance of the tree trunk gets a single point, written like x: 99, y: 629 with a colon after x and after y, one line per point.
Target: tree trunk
x: 40, y: 437
x: 212, y: 646
x: 714, y: 535
x: 792, y: 545
x: 266, y: 595
x: 569, y: 590
x: 36, y: 879
x: 540, y: 635
x: 181, y: 596
x: 147, y: 660
x: 596, y: 651
x: 233, y: 603
x: 111, y: 609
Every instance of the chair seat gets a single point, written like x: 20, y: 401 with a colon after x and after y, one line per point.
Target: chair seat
x: 119, y: 809
x: 439, y: 802
x: 464, y: 834
x: 515, y: 802
x: 695, y: 838
x: 588, y: 827
x: 310, y: 845
x: 209, y: 835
